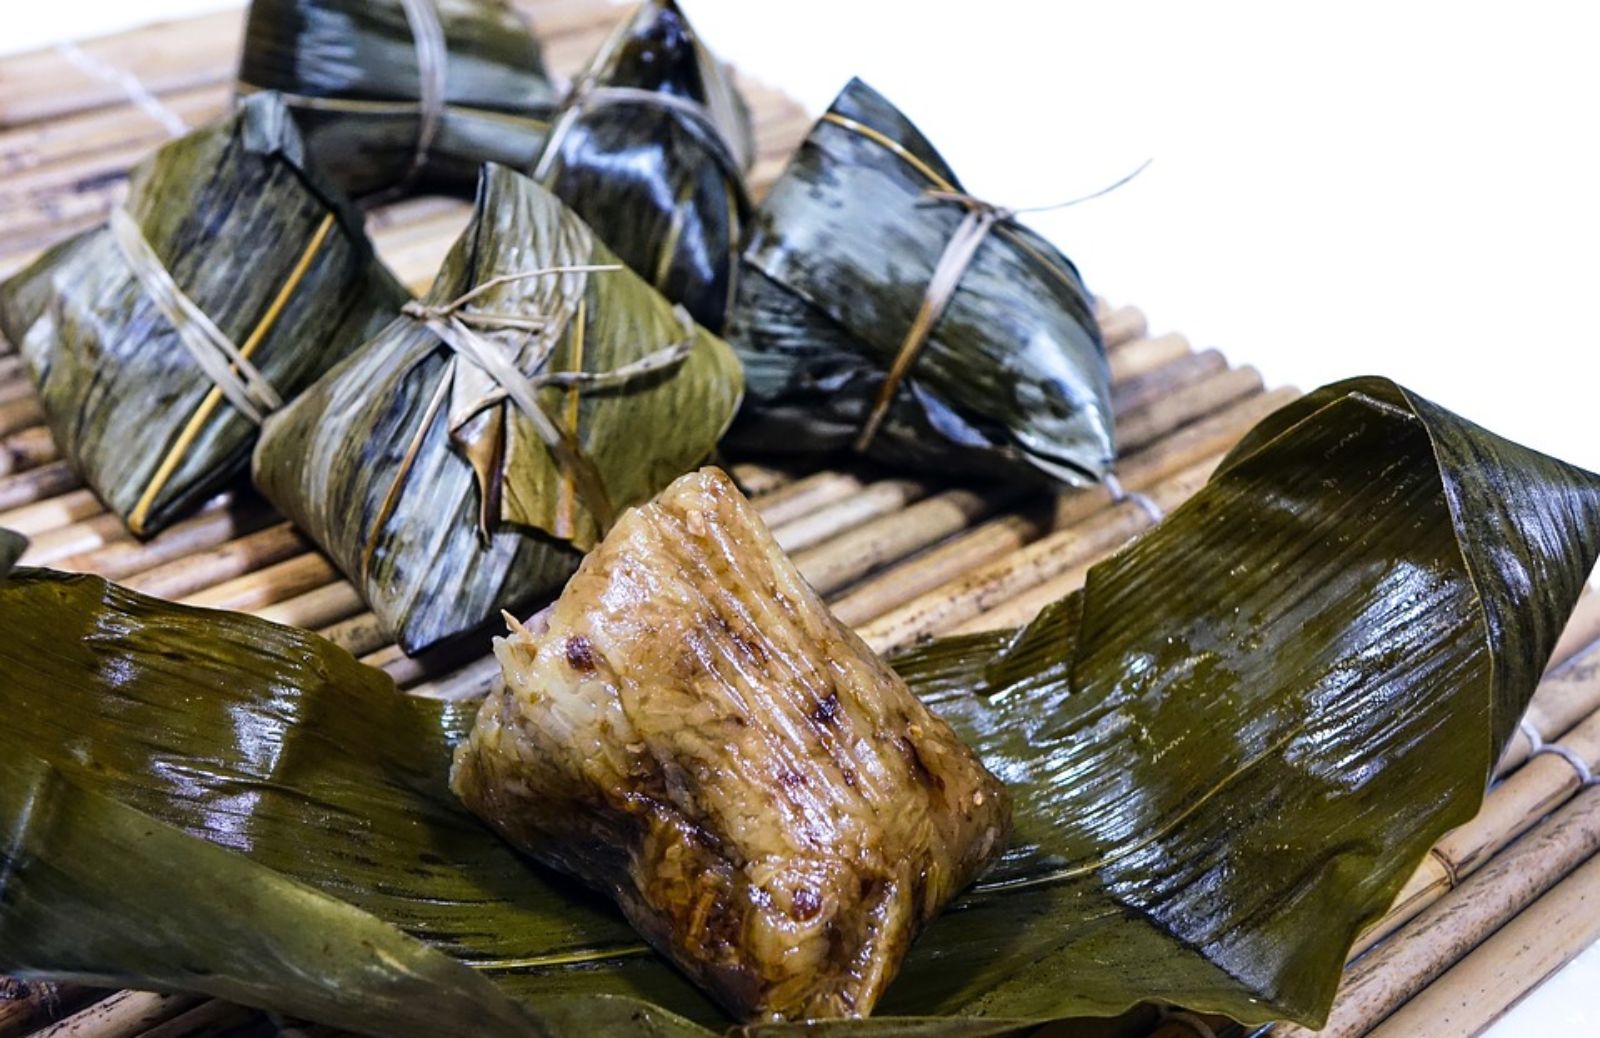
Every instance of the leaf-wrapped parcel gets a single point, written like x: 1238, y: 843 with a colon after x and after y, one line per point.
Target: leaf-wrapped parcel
x: 880, y: 307
x: 463, y: 460
x: 403, y: 93
x: 1224, y: 756
x: 133, y: 333
x: 649, y: 148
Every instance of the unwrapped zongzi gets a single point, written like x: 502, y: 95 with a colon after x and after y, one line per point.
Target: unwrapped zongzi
x: 650, y: 148
x: 462, y: 461
x: 690, y: 730
x: 155, y: 353
x: 397, y: 93
x: 880, y: 306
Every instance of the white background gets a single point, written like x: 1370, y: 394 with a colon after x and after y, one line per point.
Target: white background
x: 1410, y: 190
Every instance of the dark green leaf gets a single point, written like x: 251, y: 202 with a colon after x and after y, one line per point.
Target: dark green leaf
x: 12, y: 545
x: 410, y: 449
x: 126, y: 401
x: 1226, y: 753
x: 662, y: 187
x: 1238, y: 741
x: 349, y: 70
x: 1013, y: 378
x: 277, y: 943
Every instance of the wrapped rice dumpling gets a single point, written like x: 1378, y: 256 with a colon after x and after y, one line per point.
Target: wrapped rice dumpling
x: 403, y: 93
x: 650, y: 148
x: 463, y: 460
x: 880, y: 307
x: 691, y: 731
x: 230, y: 278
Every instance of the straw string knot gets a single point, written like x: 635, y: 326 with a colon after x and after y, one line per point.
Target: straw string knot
x: 981, y: 217
x: 459, y: 328
x: 240, y: 381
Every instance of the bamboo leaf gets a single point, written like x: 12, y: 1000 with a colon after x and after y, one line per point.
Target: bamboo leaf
x: 350, y: 70
x: 1012, y: 380
x: 1226, y: 753
x: 127, y: 399
x: 12, y: 545
x: 436, y: 494
x: 286, y: 946
x: 650, y: 149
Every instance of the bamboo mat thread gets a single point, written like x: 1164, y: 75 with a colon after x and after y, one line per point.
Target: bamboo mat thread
x: 898, y: 558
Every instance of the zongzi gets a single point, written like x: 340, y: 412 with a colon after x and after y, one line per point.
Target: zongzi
x: 650, y: 148
x: 693, y: 732
x: 879, y: 306
x: 463, y: 460
x: 156, y: 360
x: 395, y: 93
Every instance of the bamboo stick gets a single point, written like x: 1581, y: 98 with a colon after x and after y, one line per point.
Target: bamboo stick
x: 922, y: 575
x: 975, y: 592
x: 1044, y: 559
x: 165, y: 56
x: 65, y: 541
x: 62, y: 140
x: 360, y: 635
x: 205, y: 569
x: 209, y: 1018
x: 1122, y: 325
x: 18, y: 415
x: 41, y: 516
x: 318, y: 608
x: 26, y: 1007
x: 267, y: 586
x: 1145, y: 355
x: 1439, y: 936
x: 1144, y: 389
x: 806, y: 495
x: 1143, y: 426
x: 835, y: 563
x: 37, y: 485
x: 759, y: 480
x: 470, y: 682
x: 120, y: 1015
x: 219, y: 520
x: 1576, y: 695
x: 27, y: 449
x: 1021, y: 608
x: 1518, y: 957
x: 885, y: 497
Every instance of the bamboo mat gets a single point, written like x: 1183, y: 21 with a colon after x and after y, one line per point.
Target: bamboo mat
x: 899, y: 558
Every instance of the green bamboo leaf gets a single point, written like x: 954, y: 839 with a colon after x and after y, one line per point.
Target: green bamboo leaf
x: 834, y: 274
x: 434, y: 492
x: 1242, y: 736
x: 12, y: 545
x: 1226, y: 753
x: 277, y: 944
x: 650, y: 149
x: 350, y: 71
x: 129, y: 405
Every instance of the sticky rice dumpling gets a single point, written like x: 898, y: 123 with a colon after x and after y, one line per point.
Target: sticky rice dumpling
x: 691, y: 731
x: 463, y: 460
x: 403, y: 94
x: 155, y: 356
x: 649, y: 148
x: 883, y: 309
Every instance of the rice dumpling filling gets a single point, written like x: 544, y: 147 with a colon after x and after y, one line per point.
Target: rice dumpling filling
x: 689, y: 729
